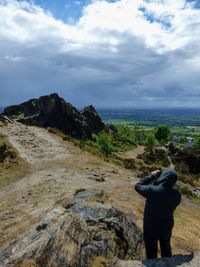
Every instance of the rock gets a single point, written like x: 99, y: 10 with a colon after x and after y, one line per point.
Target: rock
x: 192, y: 260
x: 93, y: 119
x: 53, y: 111
x: 5, y: 119
x: 91, y: 232
x: 98, y: 179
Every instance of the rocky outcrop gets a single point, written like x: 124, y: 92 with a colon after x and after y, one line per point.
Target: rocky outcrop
x: 89, y: 231
x: 86, y: 232
x: 93, y: 119
x: 53, y: 111
x: 192, y: 260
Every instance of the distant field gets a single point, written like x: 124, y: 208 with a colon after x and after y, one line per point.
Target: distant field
x: 151, y: 117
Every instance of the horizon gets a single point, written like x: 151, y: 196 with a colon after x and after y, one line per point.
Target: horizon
x: 146, y: 54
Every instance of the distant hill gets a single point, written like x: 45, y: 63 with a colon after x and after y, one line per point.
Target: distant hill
x: 1, y: 109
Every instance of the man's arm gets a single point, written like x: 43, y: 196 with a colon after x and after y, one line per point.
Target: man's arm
x: 144, y: 188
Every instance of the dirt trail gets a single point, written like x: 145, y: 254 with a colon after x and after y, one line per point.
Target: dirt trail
x: 132, y: 153
x: 57, y: 170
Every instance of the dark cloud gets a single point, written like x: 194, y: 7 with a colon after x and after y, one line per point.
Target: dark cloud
x: 105, y: 67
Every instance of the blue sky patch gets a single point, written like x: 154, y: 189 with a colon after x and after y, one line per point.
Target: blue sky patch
x: 195, y: 2
x: 66, y: 10
x: 149, y: 17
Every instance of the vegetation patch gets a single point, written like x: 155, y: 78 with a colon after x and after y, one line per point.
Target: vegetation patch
x: 12, y: 167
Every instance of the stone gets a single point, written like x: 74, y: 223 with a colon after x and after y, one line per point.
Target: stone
x: 93, y: 119
x: 90, y: 231
x: 54, y: 112
x: 192, y: 260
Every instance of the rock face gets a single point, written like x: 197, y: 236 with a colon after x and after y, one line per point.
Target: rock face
x: 87, y: 232
x: 93, y: 119
x: 53, y: 111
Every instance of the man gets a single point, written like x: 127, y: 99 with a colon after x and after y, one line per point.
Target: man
x: 161, y: 201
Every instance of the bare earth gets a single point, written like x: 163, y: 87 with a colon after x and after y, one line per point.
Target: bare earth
x: 56, y: 169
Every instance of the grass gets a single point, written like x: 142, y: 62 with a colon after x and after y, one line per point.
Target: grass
x: 12, y: 167
x: 92, y: 146
x: 187, y: 192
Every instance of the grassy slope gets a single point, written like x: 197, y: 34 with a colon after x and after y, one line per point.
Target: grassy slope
x: 12, y: 167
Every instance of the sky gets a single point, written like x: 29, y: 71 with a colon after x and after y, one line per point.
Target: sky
x: 120, y: 53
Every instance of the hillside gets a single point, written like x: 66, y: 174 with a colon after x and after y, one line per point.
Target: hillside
x: 58, y: 169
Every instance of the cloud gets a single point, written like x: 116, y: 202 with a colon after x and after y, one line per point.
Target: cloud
x: 122, y: 53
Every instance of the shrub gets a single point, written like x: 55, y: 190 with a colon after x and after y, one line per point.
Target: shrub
x: 3, y: 145
x: 126, y: 132
x: 104, y: 143
x: 186, y: 191
x: 197, y: 142
x: 3, y: 148
x: 129, y: 163
x: 150, y: 141
x: 162, y: 133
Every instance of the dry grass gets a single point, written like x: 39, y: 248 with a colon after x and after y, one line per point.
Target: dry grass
x: 12, y: 168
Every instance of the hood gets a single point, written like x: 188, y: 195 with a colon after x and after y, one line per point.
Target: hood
x: 167, y: 177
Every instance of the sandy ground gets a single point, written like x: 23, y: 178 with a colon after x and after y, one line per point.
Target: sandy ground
x: 57, y: 169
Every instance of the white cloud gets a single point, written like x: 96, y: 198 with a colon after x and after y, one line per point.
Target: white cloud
x: 119, y: 53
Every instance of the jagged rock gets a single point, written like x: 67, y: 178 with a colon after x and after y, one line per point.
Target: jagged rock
x: 53, y: 111
x: 93, y: 119
x: 192, y: 260
x: 89, y: 231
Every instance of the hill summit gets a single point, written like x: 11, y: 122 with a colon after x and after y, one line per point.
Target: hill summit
x: 53, y: 111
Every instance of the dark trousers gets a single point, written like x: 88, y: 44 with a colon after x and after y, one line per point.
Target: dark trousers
x: 151, y: 246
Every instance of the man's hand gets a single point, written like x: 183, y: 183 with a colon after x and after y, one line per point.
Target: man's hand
x: 156, y: 173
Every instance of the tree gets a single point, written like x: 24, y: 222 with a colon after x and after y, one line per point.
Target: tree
x: 162, y: 133
x: 197, y: 142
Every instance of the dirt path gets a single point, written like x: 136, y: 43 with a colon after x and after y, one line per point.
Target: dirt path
x: 57, y: 170
x: 132, y: 154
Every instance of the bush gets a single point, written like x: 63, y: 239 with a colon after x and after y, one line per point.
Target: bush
x: 162, y: 133
x: 3, y: 148
x: 104, y: 143
x: 129, y: 163
x: 186, y: 191
x: 197, y: 142
x: 127, y: 133
x: 150, y: 141
x: 3, y: 145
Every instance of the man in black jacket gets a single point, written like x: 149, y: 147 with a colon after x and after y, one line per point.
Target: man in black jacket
x: 161, y: 201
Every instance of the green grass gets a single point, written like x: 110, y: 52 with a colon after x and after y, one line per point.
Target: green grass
x: 185, y: 191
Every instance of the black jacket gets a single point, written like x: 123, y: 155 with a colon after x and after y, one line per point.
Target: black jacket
x: 161, y: 198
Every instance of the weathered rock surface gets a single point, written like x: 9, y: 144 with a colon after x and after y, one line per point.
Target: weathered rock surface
x: 4, y: 119
x: 93, y: 119
x: 87, y: 231
x: 192, y: 260
x: 53, y: 111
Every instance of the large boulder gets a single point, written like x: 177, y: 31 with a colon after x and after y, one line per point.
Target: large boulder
x: 86, y: 232
x: 53, y: 111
